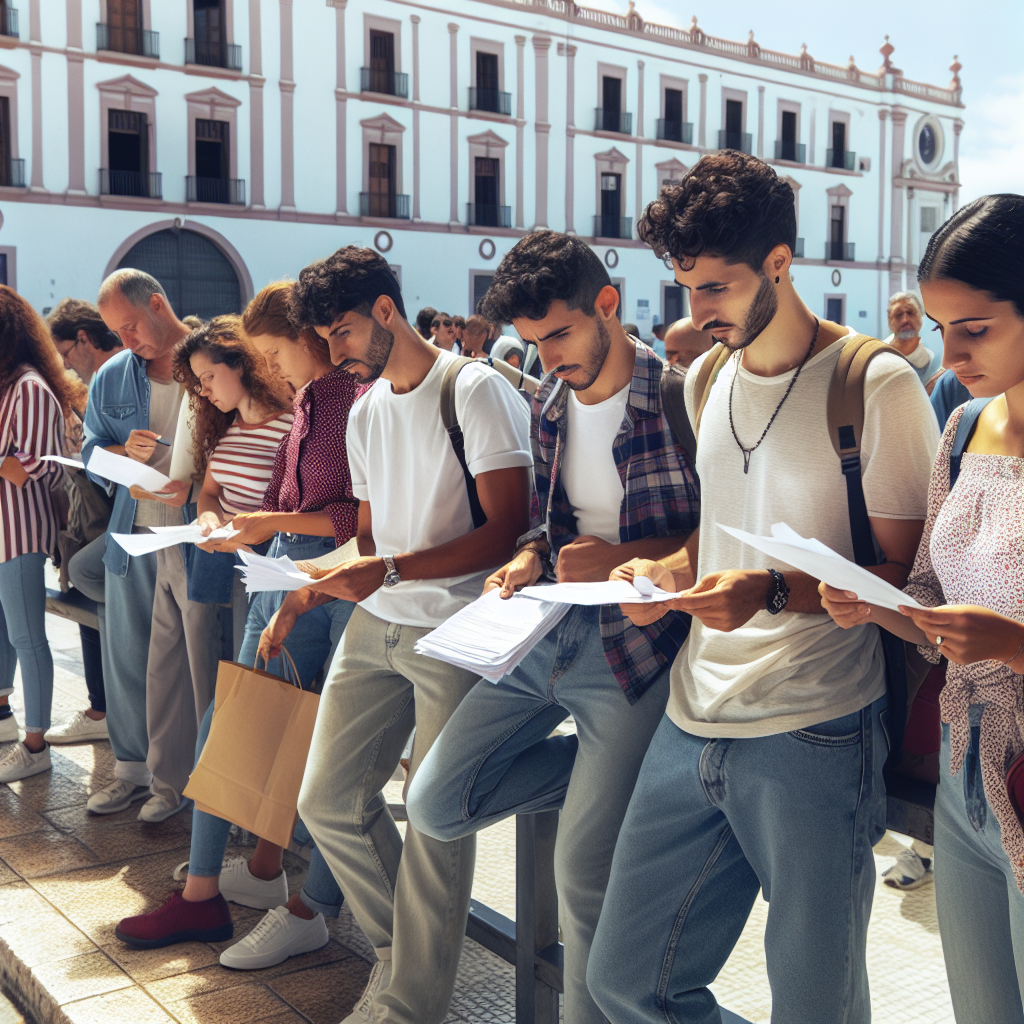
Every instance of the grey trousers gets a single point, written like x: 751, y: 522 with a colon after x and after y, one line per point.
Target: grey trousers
x: 411, y: 902
x: 184, y: 647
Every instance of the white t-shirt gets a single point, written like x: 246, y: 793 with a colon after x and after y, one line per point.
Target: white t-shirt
x: 402, y: 463
x: 794, y: 670
x: 592, y: 483
x: 164, y: 403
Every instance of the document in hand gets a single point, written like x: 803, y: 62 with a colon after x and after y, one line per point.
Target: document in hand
x: 125, y: 471
x: 261, y: 573
x: 821, y: 562
x: 608, y: 592
x: 71, y: 463
x: 167, y: 536
x: 492, y: 636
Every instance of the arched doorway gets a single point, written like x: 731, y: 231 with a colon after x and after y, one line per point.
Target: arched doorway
x: 197, y: 276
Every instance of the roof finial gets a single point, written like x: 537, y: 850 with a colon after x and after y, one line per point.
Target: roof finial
x: 887, y: 51
x: 955, y: 67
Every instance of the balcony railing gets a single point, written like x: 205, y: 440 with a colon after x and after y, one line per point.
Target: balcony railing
x: 147, y: 184
x: 839, y: 251
x: 735, y: 140
x: 798, y: 249
x: 612, y: 121
x: 674, y: 131
x: 606, y: 226
x: 214, y: 55
x: 795, y: 151
x: 122, y: 40
x: 13, y: 174
x: 843, y: 159
x: 490, y: 99
x: 390, y: 83
x: 486, y: 215
x: 215, y: 190
x: 9, y: 22
x: 374, y: 204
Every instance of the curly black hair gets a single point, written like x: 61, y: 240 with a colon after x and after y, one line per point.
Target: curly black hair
x: 730, y: 205
x: 350, y: 279
x: 542, y: 268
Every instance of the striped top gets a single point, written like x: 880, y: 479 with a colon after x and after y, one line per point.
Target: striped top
x: 31, y: 425
x: 243, y: 461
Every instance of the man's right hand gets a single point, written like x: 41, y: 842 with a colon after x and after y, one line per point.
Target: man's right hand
x: 140, y: 445
x: 281, y: 624
x: 644, y: 614
x: 523, y: 571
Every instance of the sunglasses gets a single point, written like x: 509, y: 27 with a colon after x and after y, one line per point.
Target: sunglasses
x: 442, y: 323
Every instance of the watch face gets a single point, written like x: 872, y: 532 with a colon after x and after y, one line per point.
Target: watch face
x: 392, y: 579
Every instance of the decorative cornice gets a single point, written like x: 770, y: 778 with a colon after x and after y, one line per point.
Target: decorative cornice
x: 452, y: 27
x: 541, y: 44
x: 212, y: 95
x: 126, y: 83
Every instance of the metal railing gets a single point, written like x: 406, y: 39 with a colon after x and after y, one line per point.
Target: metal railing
x: 141, y: 41
x: 612, y: 121
x: 798, y: 249
x: 795, y: 151
x: 486, y: 215
x: 674, y: 131
x: 606, y: 226
x: 839, y: 251
x: 388, y: 83
x: 495, y: 101
x: 735, y: 140
x: 148, y: 184
x: 214, y: 55
x: 215, y: 190
x: 843, y: 159
x: 13, y: 175
x: 375, y: 204
x: 9, y: 22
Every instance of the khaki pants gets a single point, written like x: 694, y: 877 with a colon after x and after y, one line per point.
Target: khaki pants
x: 184, y: 648
x: 412, y: 903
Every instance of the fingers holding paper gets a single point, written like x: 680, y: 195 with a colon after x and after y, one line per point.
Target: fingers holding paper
x: 845, y: 607
x: 352, y: 581
x: 628, y: 572
x: 966, y: 634
x: 725, y: 600
x: 523, y: 571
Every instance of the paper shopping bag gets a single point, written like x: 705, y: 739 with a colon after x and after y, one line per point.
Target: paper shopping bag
x: 250, y: 770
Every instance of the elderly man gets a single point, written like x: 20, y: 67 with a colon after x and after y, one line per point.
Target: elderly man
x: 82, y: 338
x: 906, y: 315
x: 684, y: 342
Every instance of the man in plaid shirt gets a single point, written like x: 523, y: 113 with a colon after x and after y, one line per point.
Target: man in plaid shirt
x: 612, y: 484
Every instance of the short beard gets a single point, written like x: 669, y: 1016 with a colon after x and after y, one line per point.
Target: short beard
x: 598, y: 354
x: 760, y: 314
x: 377, y: 353
x: 907, y: 334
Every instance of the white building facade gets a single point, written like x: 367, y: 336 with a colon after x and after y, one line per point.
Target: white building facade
x: 222, y: 144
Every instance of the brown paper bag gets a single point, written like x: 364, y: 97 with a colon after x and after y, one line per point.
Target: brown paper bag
x: 251, y: 768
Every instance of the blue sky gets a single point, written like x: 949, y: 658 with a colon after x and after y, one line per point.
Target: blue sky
x: 987, y: 38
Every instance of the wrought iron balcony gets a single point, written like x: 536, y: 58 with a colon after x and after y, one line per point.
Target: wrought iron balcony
x: 13, y: 174
x: 612, y: 121
x: 798, y: 249
x: 795, y: 151
x: 487, y: 215
x: 141, y: 42
x: 214, y: 55
x: 490, y: 99
x: 839, y: 251
x: 735, y: 140
x: 215, y: 190
x: 843, y: 159
x: 375, y: 204
x: 674, y: 131
x: 148, y: 185
x: 389, y: 83
x: 8, y: 22
x: 606, y: 226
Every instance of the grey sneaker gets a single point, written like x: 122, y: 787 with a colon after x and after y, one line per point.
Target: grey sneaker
x: 910, y: 871
x: 19, y: 763
x: 380, y: 977
x: 115, y: 797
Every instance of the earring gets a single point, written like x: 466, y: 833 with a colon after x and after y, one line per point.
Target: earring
x: 776, y: 280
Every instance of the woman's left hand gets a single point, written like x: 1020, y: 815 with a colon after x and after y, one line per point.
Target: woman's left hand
x: 253, y: 527
x: 174, y: 494
x: 966, y: 633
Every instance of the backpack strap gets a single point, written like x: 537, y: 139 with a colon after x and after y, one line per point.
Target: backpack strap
x: 450, y: 420
x: 964, y: 432
x: 710, y: 368
x: 673, y: 405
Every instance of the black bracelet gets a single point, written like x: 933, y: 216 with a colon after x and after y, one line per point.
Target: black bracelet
x: 778, y: 593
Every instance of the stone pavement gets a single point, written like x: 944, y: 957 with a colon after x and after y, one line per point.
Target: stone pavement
x: 67, y: 877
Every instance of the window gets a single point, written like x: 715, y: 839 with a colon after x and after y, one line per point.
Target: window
x: 733, y: 135
x: 480, y: 284
x: 127, y: 173
x: 8, y: 20
x: 788, y: 146
x: 3, y: 268
x: 619, y: 284
x: 929, y: 143
x: 123, y: 30
x: 382, y: 169
x: 381, y: 73
x: 610, y: 116
x: 209, y: 44
x: 487, y: 179
x: 382, y: 181
x: 835, y: 308
x: 837, y: 233
x: 672, y: 122
x: 487, y: 81
x: 12, y: 172
x: 840, y: 156
x: 212, y: 182
x: 929, y: 219
x: 485, y: 92
x: 672, y: 303
x: 610, y: 218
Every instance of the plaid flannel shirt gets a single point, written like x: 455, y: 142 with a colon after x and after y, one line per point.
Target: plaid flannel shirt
x: 661, y: 499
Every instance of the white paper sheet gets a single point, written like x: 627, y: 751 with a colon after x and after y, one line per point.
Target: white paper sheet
x: 125, y: 471
x: 260, y: 573
x: 72, y: 463
x: 167, y: 536
x: 608, y: 592
x: 821, y: 562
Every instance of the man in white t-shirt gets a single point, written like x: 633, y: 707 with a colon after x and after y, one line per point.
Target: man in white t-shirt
x: 424, y: 554
x: 906, y: 317
x: 612, y: 484
x: 766, y: 772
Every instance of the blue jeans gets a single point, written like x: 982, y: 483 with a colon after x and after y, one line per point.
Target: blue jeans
x: 981, y: 910
x: 713, y: 821
x: 496, y: 757
x: 23, y: 637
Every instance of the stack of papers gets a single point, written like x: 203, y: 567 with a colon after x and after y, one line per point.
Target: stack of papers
x: 261, y: 573
x: 491, y: 636
x: 609, y: 592
x: 125, y: 471
x: 167, y: 536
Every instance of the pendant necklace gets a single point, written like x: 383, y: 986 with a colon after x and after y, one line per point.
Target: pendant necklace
x: 747, y: 452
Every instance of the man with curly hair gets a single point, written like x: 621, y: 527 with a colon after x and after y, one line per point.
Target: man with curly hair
x: 613, y: 484
x: 766, y: 772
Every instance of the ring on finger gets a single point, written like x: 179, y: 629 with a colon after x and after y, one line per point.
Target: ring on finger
x: 938, y: 641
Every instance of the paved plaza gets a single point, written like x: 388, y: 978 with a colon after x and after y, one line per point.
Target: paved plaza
x: 66, y: 877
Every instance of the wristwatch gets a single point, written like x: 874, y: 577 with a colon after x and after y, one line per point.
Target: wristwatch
x: 778, y: 593
x: 391, y: 577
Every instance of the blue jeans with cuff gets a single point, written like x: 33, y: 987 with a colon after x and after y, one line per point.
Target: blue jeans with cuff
x: 23, y: 637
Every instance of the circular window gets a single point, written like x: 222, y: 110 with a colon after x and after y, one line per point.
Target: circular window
x: 928, y: 144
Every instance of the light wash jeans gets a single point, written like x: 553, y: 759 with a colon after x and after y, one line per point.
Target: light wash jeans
x: 496, y: 757
x: 981, y: 910
x: 713, y: 821
x: 23, y: 637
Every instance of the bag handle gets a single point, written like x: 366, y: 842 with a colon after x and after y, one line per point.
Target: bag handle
x: 450, y: 419
x: 289, y: 663
x: 964, y: 432
x: 708, y: 373
x: 673, y: 405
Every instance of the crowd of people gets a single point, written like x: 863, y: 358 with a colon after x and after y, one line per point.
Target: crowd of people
x: 728, y: 741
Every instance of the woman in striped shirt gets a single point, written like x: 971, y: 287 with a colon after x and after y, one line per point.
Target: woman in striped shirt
x: 36, y: 398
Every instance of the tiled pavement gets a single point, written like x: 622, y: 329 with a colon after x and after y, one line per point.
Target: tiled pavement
x: 66, y: 877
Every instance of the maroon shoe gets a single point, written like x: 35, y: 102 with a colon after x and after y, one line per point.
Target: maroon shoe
x: 178, y: 920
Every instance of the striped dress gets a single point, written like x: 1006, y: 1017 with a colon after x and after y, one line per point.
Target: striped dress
x: 31, y: 425
x: 243, y: 461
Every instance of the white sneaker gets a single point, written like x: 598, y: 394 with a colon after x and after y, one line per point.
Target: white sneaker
x: 115, y: 797
x: 910, y: 871
x: 156, y: 808
x: 8, y: 729
x: 380, y: 977
x: 79, y: 728
x: 239, y: 885
x: 19, y: 763
x: 278, y: 936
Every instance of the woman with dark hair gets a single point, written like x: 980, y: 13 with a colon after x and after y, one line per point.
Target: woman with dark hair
x: 968, y: 574
x: 37, y: 400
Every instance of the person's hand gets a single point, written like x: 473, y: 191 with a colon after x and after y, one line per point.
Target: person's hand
x: 174, y: 494
x: 969, y: 633
x: 140, y: 445
x: 281, y: 624
x: 523, y: 571
x: 253, y: 528
x: 644, y: 614
x: 845, y: 607
x: 725, y: 600
x: 352, y: 581
x: 583, y: 560
x: 208, y: 522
